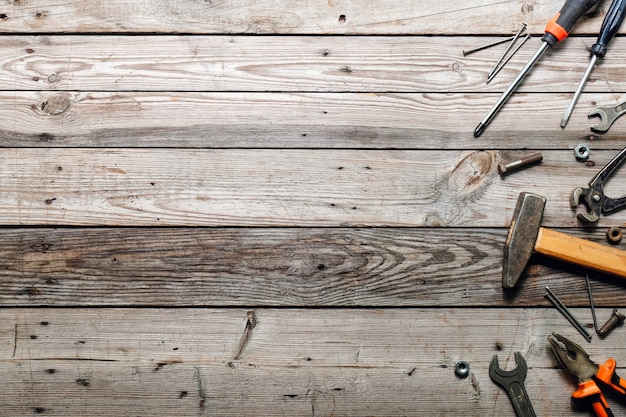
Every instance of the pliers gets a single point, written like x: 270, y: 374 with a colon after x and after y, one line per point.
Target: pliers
x: 594, y: 198
x: 575, y: 360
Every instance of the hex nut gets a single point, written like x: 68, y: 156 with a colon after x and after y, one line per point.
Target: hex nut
x: 614, y: 235
x: 582, y: 152
x: 461, y: 369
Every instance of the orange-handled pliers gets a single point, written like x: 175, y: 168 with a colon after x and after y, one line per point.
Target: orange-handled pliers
x: 576, y: 361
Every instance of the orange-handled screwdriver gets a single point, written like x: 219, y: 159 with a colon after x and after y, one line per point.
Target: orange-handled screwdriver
x: 556, y: 30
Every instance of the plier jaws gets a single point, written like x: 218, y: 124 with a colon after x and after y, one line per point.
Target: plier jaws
x: 576, y: 361
x: 594, y: 198
x: 572, y: 357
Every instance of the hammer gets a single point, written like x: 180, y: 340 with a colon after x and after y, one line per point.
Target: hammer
x: 527, y: 236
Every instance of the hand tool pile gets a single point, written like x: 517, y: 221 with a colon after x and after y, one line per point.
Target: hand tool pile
x: 557, y: 30
x: 526, y: 235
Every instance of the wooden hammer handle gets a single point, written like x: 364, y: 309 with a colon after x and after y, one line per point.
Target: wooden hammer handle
x: 581, y: 252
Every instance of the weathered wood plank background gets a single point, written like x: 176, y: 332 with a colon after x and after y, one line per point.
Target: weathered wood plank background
x: 278, y: 208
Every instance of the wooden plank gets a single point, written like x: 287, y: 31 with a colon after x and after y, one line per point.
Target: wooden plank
x: 292, y: 63
x: 294, y: 362
x: 285, y: 17
x: 241, y: 187
x: 298, y: 120
x: 280, y: 267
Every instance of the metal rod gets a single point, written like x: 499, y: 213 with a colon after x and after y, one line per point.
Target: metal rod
x: 567, y: 314
x: 506, y: 51
x: 593, y: 308
x: 570, y: 108
x: 480, y: 48
x: 498, y: 69
x: 511, y: 88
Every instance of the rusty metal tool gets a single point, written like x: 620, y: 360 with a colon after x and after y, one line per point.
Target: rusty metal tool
x: 506, y: 169
x: 550, y: 296
x: 556, y: 30
x: 608, y: 115
x: 594, y: 198
x: 576, y: 361
x: 513, y: 383
x: 616, y: 318
x: 526, y: 236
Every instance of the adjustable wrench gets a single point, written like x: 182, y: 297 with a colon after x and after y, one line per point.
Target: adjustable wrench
x: 513, y: 383
x: 608, y: 115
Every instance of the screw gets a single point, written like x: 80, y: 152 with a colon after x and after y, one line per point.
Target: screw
x: 615, y: 319
x: 520, y: 163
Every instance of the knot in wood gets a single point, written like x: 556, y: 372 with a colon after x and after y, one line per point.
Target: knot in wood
x: 56, y: 104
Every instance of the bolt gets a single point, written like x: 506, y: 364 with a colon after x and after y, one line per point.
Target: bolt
x: 520, y: 163
x: 615, y: 319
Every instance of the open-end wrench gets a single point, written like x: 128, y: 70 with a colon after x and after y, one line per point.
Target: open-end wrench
x: 513, y: 383
x: 608, y: 115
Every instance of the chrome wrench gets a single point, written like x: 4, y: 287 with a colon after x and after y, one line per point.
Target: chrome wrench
x: 608, y: 116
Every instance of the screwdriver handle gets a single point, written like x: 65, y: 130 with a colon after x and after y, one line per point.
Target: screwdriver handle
x: 612, y: 21
x: 559, y: 27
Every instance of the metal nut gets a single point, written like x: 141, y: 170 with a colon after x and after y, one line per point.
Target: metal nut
x: 582, y: 151
x: 461, y: 369
x: 614, y: 235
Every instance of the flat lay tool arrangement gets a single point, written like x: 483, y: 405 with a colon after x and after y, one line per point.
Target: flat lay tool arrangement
x: 527, y: 236
x: 279, y: 207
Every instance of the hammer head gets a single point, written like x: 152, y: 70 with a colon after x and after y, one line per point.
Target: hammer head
x: 520, y: 243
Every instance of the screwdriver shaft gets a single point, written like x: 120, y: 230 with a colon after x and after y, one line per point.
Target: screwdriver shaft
x: 568, y: 111
x: 511, y: 88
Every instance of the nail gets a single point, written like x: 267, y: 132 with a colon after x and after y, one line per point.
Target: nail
x: 499, y: 68
x: 517, y: 35
x: 471, y: 51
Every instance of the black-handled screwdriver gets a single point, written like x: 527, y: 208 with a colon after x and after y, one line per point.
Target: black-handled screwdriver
x: 612, y: 21
x: 556, y: 30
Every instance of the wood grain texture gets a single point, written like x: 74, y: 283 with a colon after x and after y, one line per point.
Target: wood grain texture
x: 240, y: 187
x: 233, y: 208
x: 298, y: 120
x: 293, y: 63
x: 296, y: 362
x: 387, y: 267
x: 282, y: 17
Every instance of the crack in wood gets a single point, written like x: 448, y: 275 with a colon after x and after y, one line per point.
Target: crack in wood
x: 247, y: 334
x: 201, y: 395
